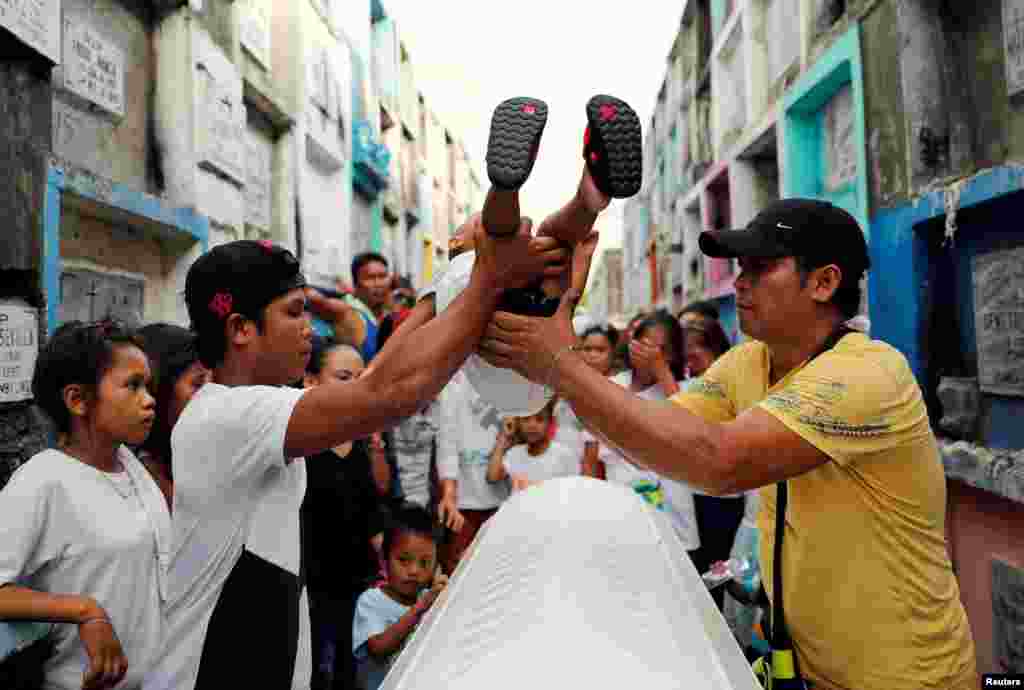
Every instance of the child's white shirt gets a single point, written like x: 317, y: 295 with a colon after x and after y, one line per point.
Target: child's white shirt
x: 69, y: 528
x: 557, y: 460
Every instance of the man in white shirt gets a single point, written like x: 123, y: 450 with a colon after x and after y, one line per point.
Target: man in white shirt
x: 236, y: 612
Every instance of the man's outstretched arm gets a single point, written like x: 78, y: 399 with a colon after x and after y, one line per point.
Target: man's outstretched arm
x: 752, y: 451
x: 415, y: 370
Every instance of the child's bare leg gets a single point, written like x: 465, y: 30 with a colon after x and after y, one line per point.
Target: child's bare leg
x: 574, y: 221
x: 613, y: 157
x: 501, y: 211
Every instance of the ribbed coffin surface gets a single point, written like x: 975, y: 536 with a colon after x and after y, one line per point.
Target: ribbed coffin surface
x: 573, y: 584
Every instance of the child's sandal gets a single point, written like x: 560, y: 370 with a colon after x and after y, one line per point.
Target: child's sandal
x: 516, y: 128
x: 612, y: 147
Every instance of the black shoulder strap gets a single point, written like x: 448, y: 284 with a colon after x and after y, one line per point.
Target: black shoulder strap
x: 780, y: 634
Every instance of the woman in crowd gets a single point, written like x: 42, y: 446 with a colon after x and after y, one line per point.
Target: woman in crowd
x: 656, y: 368
x: 597, y: 346
x: 598, y: 350
x: 342, y: 514
x: 177, y: 375
x: 705, y: 343
x: 84, y: 529
x: 699, y: 313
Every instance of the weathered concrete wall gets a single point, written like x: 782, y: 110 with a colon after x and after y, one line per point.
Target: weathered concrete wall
x: 997, y: 123
x: 112, y: 145
x: 934, y: 95
x: 945, y: 112
x: 885, y: 122
x: 200, y: 117
x: 361, y: 229
x: 827, y: 20
x: 24, y: 142
x: 217, y: 18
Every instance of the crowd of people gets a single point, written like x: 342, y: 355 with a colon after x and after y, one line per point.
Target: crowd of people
x: 246, y: 484
x: 382, y: 517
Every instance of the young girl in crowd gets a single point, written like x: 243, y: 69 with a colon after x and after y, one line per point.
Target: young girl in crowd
x: 656, y: 366
x: 84, y: 529
x: 596, y: 346
x: 598, y: 350
x: 342, y: 513
x: 386, y: 615
x: 177, y: 375
x: 535, y: 456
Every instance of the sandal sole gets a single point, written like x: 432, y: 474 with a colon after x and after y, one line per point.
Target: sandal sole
x: 516, y: 128
x: 612, y: 147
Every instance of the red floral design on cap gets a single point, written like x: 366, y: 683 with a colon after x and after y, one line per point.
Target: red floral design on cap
x: 267, y: 244
x: 221, y: 304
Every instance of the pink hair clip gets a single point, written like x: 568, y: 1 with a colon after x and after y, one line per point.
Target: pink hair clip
x: 221, y: 304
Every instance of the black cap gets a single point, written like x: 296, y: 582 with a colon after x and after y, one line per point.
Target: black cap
x: 239, y: 277
x: 809, y: 228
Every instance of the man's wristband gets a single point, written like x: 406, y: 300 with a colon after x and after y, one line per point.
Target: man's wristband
x: 97, y: 619
x: 575, y: 347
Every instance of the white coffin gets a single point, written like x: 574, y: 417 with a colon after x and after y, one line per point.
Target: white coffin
x: 574, y: 583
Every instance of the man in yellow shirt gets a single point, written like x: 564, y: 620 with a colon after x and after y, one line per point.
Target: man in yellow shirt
x: 870, y: 596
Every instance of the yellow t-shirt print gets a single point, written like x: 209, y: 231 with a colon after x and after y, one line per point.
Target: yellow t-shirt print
x: 871, y: 599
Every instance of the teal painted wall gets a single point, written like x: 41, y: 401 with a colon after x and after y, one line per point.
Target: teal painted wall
x: 804, y: 153
x: 719, y: 15
x: 376, y: 219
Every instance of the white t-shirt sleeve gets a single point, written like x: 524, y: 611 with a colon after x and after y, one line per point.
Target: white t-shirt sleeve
x: 248, y: 422
x: 448, y: 431
x: 375, y: 613
x: 24, y: 505
x: 515, y: 461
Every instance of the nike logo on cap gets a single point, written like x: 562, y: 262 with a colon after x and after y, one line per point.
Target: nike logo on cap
x: 783, y: 226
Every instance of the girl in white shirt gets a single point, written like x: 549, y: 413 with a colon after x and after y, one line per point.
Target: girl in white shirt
x: 527, y: 452
x: 598, y: 350
x: 84, y: 528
